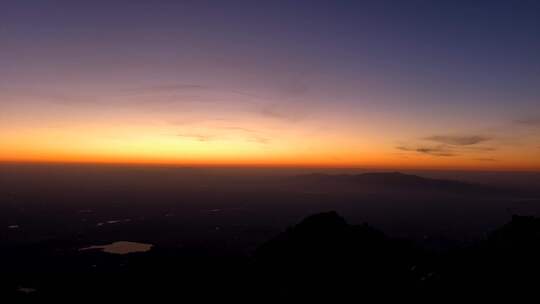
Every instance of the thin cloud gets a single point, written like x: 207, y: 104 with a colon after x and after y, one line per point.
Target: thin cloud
x: 188, y: 87
x: 265, y: 106
x: 167, y: 88
x: 480, y: 149
x: 433, y: 151
x: 530, y: 121
x: 458, y: 140
x: 294, y: 89
x: 486, y: 159
x: 50, y: 96
x: 258, y: 139
x: 281, y: 112
x: 249, y: 135
x: 450, y: 145
x: 196, y: 136
x: 246, y: 130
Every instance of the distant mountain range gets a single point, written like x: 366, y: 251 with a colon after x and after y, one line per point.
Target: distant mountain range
x: 396, y: 181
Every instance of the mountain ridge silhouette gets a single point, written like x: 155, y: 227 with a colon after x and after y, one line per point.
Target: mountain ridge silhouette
x: 398, y: 181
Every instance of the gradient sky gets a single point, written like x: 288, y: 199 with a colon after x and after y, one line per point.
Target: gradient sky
x: 390, y: 84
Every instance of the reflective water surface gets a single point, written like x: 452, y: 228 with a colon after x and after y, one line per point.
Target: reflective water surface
x: 121, y: 247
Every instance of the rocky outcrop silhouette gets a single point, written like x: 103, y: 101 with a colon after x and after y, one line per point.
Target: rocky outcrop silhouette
x: 324, y: 255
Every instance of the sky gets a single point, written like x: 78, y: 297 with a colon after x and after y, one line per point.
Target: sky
x: 382, y: 84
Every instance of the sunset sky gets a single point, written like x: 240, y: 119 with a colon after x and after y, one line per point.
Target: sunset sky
x: 382, y: 84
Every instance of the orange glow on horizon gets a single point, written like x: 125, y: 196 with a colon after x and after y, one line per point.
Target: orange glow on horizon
x: 62, y: 134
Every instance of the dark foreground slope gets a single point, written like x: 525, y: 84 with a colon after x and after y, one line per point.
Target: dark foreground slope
x: 322, y: 257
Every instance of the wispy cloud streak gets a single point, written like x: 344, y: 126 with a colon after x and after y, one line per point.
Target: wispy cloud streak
x: 433, y: 150
x: 467, y: 140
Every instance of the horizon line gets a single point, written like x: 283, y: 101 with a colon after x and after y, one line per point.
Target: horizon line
x: 266, y: 166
